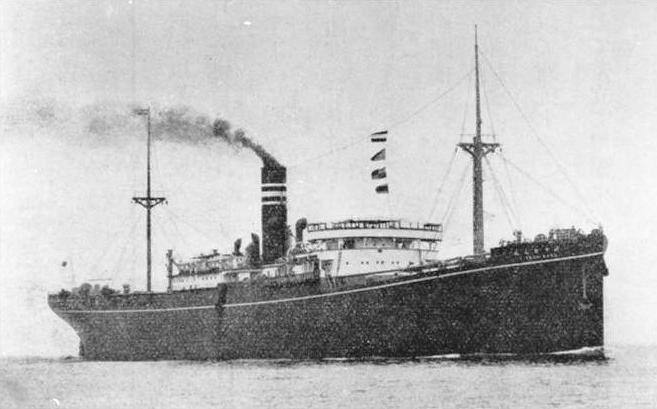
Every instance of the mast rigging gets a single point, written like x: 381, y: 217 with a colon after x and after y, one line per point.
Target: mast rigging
x: 478, y: 150
x: 148, y: 201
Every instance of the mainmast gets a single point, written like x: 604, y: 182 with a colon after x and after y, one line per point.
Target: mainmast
x: 478, y: 150
x: 148, y: 202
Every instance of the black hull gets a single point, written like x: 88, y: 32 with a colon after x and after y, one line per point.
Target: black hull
x: 530, y: 307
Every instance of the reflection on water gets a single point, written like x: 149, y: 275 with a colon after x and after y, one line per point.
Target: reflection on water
x: 626, y: 378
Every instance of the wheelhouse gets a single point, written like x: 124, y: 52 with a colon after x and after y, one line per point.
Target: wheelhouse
x: 374, y: 234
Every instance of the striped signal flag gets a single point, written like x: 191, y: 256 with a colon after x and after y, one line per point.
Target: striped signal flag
x: 381, y: 136
x: 380, y: 174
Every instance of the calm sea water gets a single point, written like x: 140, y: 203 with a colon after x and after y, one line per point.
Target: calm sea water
x: 628, y: 379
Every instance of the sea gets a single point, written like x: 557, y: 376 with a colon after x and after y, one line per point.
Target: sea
x: 625, y: 378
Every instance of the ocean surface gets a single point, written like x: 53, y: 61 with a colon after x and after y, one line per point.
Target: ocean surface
x: 626, y: 379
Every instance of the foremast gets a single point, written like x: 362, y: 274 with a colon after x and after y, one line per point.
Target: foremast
x: 477, y: 150
x: 148, y: 201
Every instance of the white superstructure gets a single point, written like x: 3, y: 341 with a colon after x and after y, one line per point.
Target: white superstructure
x: 348, y: 247
x: 359, y: 246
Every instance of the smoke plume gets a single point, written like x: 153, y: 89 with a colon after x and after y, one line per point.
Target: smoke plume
x: 221, y: 129
x: 180, y: 125
x: 109, y: 123
x: 183, y: 125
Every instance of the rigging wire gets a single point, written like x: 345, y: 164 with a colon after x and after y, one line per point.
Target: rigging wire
x: 490, y: 117
x: 508, y: 211
x: 107, y: 250
x: 130, y: 234
x: 359, y: 139
x: 467, y: 76
x: 202, y: 233
x: 109, y: 237
x: 556, y: 160
x: 132, y: 260
x: 329, y: 152
x: 159, y: 176
x: 509, y: 205
x: 178, y: 234
x: 155, y: 166
x: 452, y: 202
x: 202, y: 206
x: 428, y: 104
x: 171, y: 236
x: 465, y: 109
x: 548, y: 190
x: 207, y: 209
x: 161, y: 227
x: 172, y: 231
x: 511, y: 189
x: 163, y: 182
x: 442, y: 184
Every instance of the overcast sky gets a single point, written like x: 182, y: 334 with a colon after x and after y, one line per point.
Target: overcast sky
x: 309, y: 81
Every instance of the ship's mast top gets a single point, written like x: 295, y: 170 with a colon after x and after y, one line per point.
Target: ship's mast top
x: 148, y: 201
x: 477, y: 137
x: 477, y: 150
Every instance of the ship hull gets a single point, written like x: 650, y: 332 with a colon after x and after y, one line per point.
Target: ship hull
x: 528, y: 307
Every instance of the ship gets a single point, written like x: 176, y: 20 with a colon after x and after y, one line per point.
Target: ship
x: 355, y: 288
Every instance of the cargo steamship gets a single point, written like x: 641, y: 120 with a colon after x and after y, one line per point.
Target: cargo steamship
x: 354, y: 288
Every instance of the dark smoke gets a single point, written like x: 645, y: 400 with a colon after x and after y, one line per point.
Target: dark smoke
x: 110, y: 122
x: 221, y: 129
x: 183, y: 125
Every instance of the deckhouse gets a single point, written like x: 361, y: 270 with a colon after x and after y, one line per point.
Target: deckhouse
x: 358, y: 246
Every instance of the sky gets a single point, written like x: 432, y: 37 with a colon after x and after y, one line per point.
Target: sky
x: 568, y: 90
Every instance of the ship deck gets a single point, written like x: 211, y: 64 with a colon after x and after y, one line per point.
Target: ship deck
x: 299, y: 288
